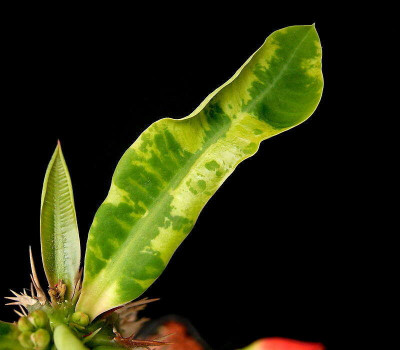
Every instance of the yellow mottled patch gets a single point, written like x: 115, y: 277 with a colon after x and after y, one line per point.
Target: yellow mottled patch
x: 95, y: 305
x: 123, y: 224
x: 145, y: 146
x: 268, y: 51
x: 144, y: 136
x: 188, y: 133
x: 312, y: 66
x: 166, y: 242
x: 134, y: 182
x: 144, y: 283
x: 147, y: 166
x: 148, y: 250
x: 114, y: 242
x: 237, y: 93
x: 251, y: 129
x: 194, y: 191
x: 144, y: 207
x: 240, y: 141
x: 232, y: 106
x: 96, y: 250
x: 117, y: 195
x: 282, y: 31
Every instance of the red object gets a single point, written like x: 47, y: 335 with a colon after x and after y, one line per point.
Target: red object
x: 284, y: 344
x: 179, y: 337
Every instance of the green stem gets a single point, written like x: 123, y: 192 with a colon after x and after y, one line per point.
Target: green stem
x: 65, y: 339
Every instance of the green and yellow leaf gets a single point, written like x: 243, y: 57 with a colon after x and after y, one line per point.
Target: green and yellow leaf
x: 167, y: 176
x: 59, y: 234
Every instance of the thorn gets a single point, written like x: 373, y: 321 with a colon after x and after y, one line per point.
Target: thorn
x: 16, y: 294
x: 34, y: 274
x: 137, y: 343
x: 77, y: 292
x: 141, y: 302
x: 146, y: 301
x: 11, y: 298
x: 90, y: 336
x: 18, y: 313
x: 77, y: 283
x: 164, y: 336
x: 34, y: 283
x: 20, y: 299
x: 39, y: 291
x: 23, y: 310
x: 129, y: 307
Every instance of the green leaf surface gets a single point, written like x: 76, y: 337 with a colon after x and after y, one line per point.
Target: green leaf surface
x: 9, y: 337
x: 59, y: 234
x: 167, y: 176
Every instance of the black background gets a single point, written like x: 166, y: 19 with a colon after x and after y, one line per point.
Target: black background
x: 267, y: 256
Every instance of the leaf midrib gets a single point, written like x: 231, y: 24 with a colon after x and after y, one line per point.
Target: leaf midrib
x: 60, y: 258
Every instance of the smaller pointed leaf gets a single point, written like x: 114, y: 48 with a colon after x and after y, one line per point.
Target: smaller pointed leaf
x: 58, y: 226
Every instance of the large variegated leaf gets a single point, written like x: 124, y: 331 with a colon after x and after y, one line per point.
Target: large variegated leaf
x: 167, y: 176
x: 59, y: 234
x: 9, y: 337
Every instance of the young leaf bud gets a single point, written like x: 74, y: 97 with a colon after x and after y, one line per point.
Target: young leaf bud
x: 39, y: 318
x: 25, y: 340
x: 24, y: 325
x: 40, y: 339
x: 80, y: 319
